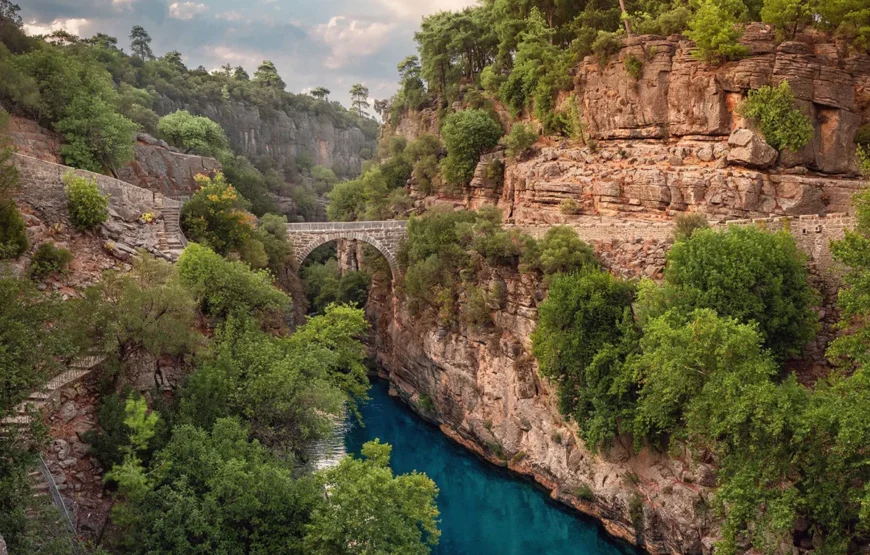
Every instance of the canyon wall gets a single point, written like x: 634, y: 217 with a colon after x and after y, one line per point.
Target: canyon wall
x: 670, y: 142
x: 282, y: 136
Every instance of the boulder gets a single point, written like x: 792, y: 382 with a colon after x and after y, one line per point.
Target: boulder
x: 3, y: 547
x: 749, y: 149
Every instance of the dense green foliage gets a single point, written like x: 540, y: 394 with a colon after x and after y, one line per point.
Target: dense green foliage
x: 750, y: 275
x: 360, y: 489
x: 697, y: 360
x: 380, y: 193
x: 49, y: 260
x: 467, y: 135
x: 291, y: 390
x: 144, y: 311
x: 582, y: 318
x: 453, y: 259
x: 13, y: 236
x: 519, y: 140
x: 34, y: 341
x: 195, y: 134
x: 88, y: 208
x: 562, y: 251
x: 224, y: 287
x: 216, y: 216
x: 714, y: 29
x: 326, y: 285
x: 773, y: 110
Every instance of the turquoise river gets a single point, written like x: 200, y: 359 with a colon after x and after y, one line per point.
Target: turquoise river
x: 484, y: 510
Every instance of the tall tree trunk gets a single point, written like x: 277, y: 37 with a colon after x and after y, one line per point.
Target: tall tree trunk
x: 624, y: 19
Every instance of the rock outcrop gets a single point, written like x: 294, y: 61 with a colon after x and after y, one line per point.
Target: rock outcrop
x: 282, y: 136
x: 160, y: 168
x: 680, y: 96
x: 750, y: 149
x: 156, y: 166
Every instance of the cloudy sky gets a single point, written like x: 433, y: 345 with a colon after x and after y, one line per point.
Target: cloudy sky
x: 331, y: 43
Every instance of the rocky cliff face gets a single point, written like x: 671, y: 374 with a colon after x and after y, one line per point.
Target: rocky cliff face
x: 165, y: 170
x: 488, y: 396
x: 669, y: 142
x: 673, y: 140
x: 284, y: 136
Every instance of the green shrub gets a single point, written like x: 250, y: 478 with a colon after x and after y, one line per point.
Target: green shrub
x: 635, y: 509
x: 445, y: 251
x: 688, y: 224
x: 88, y: 208
x: 570, y: 207
x: 49, y: 260
x: 751, y: 275
x: 862, y: 138
x: 581, y: 317
x: 467, y: 135
x: 495, y: 172
x: 226, y: 287
x: 216, y: 216
x: 773, y: 110
x: 714, y: 28
x: 426, y: 403
x: 584, y: 493
x: 862, y: 153
x: 562, y: 251
x: 520, y: 140
x: 606, y: 45
x: 196, y: 134
x: 13, y: 234
x: 634, y: 66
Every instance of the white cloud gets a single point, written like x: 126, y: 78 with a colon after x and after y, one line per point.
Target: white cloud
x: 416, y: 9
x: 351, y: 39
x: 235, y: 56
x: 230, y: 16
x: 186, y: 10
x: 72, y: 26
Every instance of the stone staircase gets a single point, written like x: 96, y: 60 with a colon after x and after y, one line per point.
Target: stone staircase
x: 39, y: 399
x: 171, y: 239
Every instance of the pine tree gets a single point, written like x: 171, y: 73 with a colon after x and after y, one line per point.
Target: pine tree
x: 140, y: 43
x: 360, y: 98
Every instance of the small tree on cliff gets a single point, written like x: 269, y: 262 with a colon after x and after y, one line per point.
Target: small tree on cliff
x: 714, y: 28
x: 267, y: 76
x: 359, y: 94
x: 321, y: 93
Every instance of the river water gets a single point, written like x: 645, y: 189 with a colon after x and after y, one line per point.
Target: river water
x: 484, y: 510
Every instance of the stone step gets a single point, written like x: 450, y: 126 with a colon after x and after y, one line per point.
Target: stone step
x: 16, y: 421
x: 39, y: 396
x: 27, y: 406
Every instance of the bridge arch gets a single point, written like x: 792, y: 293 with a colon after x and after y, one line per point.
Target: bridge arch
x: 385, y: 236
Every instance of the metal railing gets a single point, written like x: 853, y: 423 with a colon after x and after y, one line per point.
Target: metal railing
x: 57, y: 500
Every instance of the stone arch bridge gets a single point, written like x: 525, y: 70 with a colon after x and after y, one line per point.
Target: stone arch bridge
x: 385, y: 236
